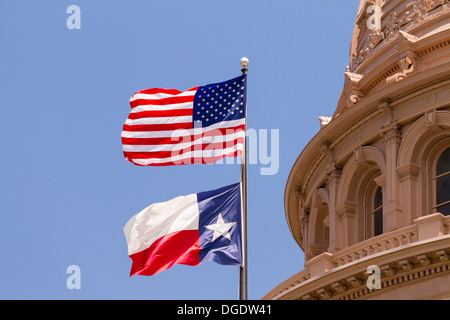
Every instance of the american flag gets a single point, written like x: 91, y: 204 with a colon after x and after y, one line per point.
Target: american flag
x: 197, y: 126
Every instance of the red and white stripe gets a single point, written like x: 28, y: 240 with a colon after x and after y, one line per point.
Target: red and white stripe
x: 164, y: 234
x: 159, y: 131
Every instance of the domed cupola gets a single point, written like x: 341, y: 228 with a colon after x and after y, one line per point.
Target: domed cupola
x: 392, y: 40
x: 372, y: 187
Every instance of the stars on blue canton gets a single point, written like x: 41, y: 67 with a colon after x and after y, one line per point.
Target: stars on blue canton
x: 219, y: 102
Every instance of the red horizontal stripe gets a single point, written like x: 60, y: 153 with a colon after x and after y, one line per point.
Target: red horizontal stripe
x: 204, y: 160
x: 157, y: 127
x: 176, y: 140
x: 181, y: 247
x: 159, y: 90
x: 160, y: 114
x: 149, y: 141
x: 161, y: 102
x: 170, y: 140
x: 167, y: 91
x: 168, y: 154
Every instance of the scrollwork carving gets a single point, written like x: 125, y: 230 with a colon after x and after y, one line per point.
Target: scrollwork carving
x: 407, y: 65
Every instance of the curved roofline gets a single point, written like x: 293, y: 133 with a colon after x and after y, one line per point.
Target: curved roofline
x: 342, y: 123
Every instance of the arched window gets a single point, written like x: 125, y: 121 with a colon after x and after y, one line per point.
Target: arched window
x: 321, y: 240
x: 373, y: 206
x: 443, y: 183
x: 377, y: 212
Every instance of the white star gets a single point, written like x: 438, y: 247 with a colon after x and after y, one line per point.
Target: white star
x: 221, y: 228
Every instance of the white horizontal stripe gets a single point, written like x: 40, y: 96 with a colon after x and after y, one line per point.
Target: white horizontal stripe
x: 185, y: 143
x: 161, y: 120
x: 161, y: 219
x: 156, y: 96
x: 193, y: 154
x: 182, y: 132
x: 175, y: 106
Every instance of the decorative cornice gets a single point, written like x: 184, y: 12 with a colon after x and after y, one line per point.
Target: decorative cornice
x: 434, y: 48
x: 425, y: 260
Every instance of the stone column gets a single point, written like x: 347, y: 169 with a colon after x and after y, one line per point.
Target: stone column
x: 333, y: 176
x: 408, y: 174
x: 392, y: 138
x: 348, y: 232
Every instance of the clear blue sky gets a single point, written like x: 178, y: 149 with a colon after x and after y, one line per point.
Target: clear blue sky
x: 66, y: 190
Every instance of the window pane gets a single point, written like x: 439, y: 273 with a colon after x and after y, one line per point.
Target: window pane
x: 445, y: 209
x: 443, y: 164
x: 378, y: 199
x: 378, y: 222
x: 443, y: 189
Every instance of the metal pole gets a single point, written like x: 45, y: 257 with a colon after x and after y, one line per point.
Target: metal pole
x: 243, y: 290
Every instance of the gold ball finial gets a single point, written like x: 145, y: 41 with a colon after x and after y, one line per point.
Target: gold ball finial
x: 244, y: 62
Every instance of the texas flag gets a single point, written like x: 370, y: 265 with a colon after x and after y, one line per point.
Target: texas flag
x: 188, y: 230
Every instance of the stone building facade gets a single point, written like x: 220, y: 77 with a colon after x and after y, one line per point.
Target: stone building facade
x: 368, y: 199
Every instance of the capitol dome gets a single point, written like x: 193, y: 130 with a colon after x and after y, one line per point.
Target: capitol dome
x: 368, y: 199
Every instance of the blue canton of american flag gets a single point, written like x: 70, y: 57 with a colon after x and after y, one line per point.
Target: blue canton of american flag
x: 219, y: 102
x: 200, y: 125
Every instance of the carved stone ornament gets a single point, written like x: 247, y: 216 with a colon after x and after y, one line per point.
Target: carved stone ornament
x: 375, y: 37
x: 392, y: 134
x: 421, y: 7
x: 407, y: 66
x: 327, y: 152
x: 395, y: 23
x: 385, y: 106
x: 354, y: 98
x: 302, y: 213
x: 404, y: 37
x: 391, y: 30
x: 353, y: 77
x: 324, y: 121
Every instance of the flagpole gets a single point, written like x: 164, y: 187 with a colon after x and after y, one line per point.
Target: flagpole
x: 243, y: 282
